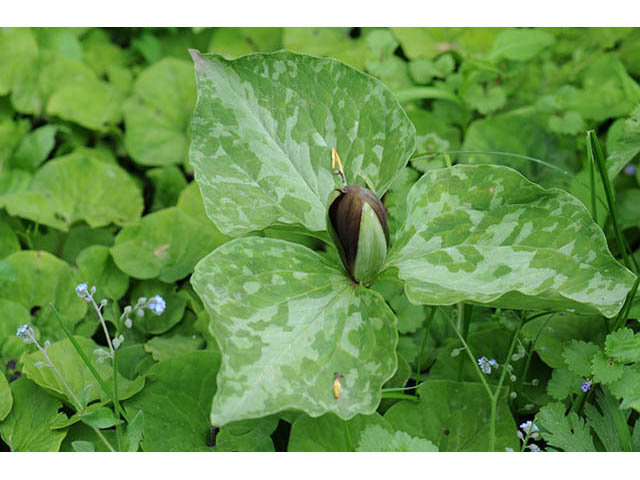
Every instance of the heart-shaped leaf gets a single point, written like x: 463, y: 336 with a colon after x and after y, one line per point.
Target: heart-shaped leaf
x: 485, y: 234
x: 290, y: 324
x: 261, y: 142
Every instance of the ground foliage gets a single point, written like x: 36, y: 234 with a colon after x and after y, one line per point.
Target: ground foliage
x: 131, y: 161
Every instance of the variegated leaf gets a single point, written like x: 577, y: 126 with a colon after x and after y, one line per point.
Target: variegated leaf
x: 263, y: 130
x: 287, y: 320
x: 485, y: 234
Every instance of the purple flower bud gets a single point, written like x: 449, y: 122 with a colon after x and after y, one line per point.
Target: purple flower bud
x: 630, y: 169
x: 586, y: 386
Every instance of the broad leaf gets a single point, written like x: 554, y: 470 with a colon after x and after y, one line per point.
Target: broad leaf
x: 374, y: 438
x: 165, y: 244
x: 247, y: 435
x: 520, y: 44
x: 28, y: 427
x: 41, y: 279
x: 261, y: 144
x: 485, y: 234
x: 329, y: 433
x: 287, y: 319
x: 77, y: 187
x: 6, y: 399
x: 455, y: 417
x: 176, y: 403
x: 97, y: 268
x: 157, y: 116
x: 75, y: 372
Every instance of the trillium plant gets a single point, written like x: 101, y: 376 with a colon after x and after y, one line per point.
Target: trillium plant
x: 308, y: 147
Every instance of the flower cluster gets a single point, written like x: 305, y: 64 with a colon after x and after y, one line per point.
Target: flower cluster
x: 156, y: 305
x: 586, y: 386
x: 529, y: 430
x: 486, y: 365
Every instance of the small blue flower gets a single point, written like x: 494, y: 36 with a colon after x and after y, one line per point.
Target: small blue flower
x: 586, y: 386
x: 82, y: 290
x: 630, y: 169
x: 25, y: 332
x: 157, y: 305
x: 485, y: 364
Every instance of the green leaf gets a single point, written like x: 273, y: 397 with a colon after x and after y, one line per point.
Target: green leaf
x: 134, y: 432
x: 569, y: 433
x: 157, y: 116
x: 177, y: 400
x: 268, y: 159
x: 100, y: 418
x: 167, y: 182
x: 13, y: 315
x: 28, y: 427
x: 83, y: 446
x: 164, y: 348
x: 165, y: 244
x: 520, y: 44
x: 247, y: 436
x: 551, y: 333
x: 487, y: 235
x: 18, y: 48
x: 94, y: 104
x: 428, y: 43
x: 75, y: 372
x: 578, y: 355
x: 41, y: 279
x: 6, y: 399
x: 76, y: 187
x: 235, y: 42
x: 563, y: 383
x: 623, y: 346
x: 604, y: 369
x: 455, y: 417
x: 10, y: 242
x: 35, y: 148
x: 287, y: 320
x: 329, y: 433
x: 375, y: 438
x: 606, y: 424
x: 97, y: 268
x: 627, y: 388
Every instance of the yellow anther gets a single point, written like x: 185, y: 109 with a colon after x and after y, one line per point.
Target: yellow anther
x: 337, y: 385
x: 335, y: 160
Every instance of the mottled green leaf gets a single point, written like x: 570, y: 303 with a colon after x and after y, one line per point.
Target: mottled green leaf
x: 286, y: 320
x: 375, y: 438
x: 6, y: 399
x: 261, y: 145
x: 28, y: 427
x: 329, y: 433
x: 96, y: 267
x: 521, y: 44
x: 176, y: 403
x: 157, y: 116
x: 165, y: 244
x: 487, y: 235
x: 76, y: 187
x: 455, y: 417
x: 41, y: 279
x: 569, y: 433
x: 578, y: 355
x: 75, y: 372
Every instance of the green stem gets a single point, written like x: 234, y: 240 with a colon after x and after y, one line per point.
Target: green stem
x: 104, y: 439
x: 402, y: 396
x: 598, y: 157
x: 464, y: 322
x: 427, y: 328
x: 592, y: 176
x: 621, y: 319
